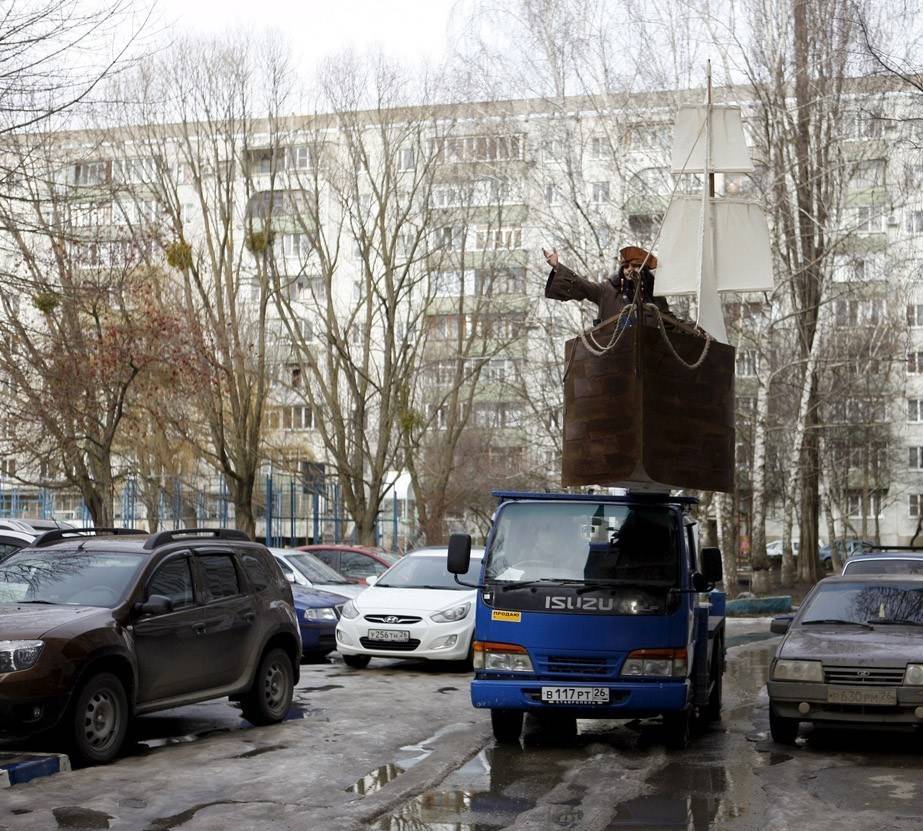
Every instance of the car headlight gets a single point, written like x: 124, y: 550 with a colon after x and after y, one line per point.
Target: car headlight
x: 349, y: 610
x: 16, y: 655
x: 501, y: 657
x: 453, y: 614
x: 790, y: 670
x: 913, y: 675
x: 315, y: 615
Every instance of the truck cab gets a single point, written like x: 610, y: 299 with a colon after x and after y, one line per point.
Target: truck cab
x: 596, y: 606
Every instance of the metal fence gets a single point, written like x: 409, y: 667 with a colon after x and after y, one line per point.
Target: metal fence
x: 284, y: 512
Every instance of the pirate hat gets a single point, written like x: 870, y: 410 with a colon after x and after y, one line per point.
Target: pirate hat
x: 632, y: 255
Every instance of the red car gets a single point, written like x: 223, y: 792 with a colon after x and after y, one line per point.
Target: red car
x: 354, y: 562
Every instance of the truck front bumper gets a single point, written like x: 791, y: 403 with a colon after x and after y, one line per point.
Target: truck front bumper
x: 626, y: 700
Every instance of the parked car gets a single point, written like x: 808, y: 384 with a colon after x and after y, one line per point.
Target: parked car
x: 354, y: 562
x: 301, y: 568
x: 414, y: 610
x: 96, y: 629
x: 318, y: 613
x: 852, y: 656
x: 885, y: 561
x: 12, y: 541
x: 774, y: 549
x: 32, y: 526
x: 846, y: 547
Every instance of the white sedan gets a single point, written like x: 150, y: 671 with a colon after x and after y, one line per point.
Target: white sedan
x: 414, y: 610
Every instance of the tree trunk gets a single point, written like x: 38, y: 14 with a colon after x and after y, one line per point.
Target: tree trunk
x: 760, y: 579
x: 240, y: 492
x: 723, y: 505
x: 810, y: 488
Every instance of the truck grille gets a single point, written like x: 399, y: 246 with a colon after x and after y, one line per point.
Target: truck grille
x: 870, y: 676
x: 576, y: 665
x: 393, y: 619
x: 391, y: 646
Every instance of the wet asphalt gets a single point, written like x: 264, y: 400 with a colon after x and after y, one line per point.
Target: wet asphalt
x: 397, y: 746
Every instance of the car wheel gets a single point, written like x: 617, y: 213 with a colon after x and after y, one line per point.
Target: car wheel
x: 270, y: 697
x: 679, y: 729
x: 783, y: 730
x: 507, y: 725
x: 356, y: 661
x: 100, y: 719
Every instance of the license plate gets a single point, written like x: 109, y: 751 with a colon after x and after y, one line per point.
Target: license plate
x: 861, y: 695
x: 389, y: 635
x: 575, y: 695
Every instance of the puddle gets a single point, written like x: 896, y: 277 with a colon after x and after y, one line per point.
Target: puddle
x: 686, y: 796
x: 375, y: 779
x: 749, y: 637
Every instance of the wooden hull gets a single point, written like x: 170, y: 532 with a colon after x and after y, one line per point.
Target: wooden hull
x: 637, y: 417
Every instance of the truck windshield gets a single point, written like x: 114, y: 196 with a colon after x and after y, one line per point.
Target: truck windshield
x: 585, y: 542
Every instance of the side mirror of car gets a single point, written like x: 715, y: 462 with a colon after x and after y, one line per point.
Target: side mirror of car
x: 459, y: 559
x: 781, y: 624
x: 699, y: 583
x: 156, y: 604
x: 711, y: 565
x: 371, y: 580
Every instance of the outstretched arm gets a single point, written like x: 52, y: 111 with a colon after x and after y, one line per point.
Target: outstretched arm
x: 564, y: 284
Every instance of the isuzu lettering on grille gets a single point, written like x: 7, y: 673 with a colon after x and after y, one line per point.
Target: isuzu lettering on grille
x: 589, y: 604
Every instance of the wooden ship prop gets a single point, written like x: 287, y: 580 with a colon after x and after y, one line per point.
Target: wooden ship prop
x: 649, y: 399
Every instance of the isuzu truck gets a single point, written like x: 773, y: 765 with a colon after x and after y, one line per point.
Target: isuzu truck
x: 596, y: 606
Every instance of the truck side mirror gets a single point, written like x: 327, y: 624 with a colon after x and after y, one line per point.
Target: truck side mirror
x: 781, y: 624
x: 459, y: 558
x: 711, y: 564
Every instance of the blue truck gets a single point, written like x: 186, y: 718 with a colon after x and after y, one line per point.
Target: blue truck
x: 596, y: 606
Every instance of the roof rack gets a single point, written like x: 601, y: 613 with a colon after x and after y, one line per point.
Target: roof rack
x: 57, y: 534
x: 892, y: 548
x: 630, y: 497
x: 164, y: 537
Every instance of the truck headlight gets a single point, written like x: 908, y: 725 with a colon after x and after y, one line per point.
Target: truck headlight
x: 501, y: 657
x: 452, y: 615
x: 655, y: 663
x: 913, y: 675
x: 316, y: 615
x: 349, y: 610
x: 792, y: 670
x: 16, y: 655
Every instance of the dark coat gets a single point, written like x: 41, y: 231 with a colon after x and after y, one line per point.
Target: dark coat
x: 564, y: 284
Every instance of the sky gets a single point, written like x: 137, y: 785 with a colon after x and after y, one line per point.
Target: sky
x: 407, y: 29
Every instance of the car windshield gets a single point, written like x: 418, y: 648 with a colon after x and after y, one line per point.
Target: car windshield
x: 388, y: 557
x: 315, y: 570
x: 74, y: 578
x: 585, y: 542
x: 866, y: 603
x: 427, y: 573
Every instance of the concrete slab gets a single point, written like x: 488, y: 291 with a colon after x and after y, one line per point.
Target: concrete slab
x: 19, y: 768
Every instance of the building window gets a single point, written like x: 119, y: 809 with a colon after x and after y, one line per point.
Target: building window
x: 915, y: 314
x: 600, y: 192
x: 868, y: 174
x: 915, y: 222
x: 914, y: 363
x: 915, y: 504
x: 406, y: 159
x: 747, y: 363
x: 498, y: 239
x: 854, y: 504
x: 447, y: 283
x: 300, y: 158
x: 599, y: 148
x: 916, y: 458
x: 870, y: 219
x: 293, y: 246
x: 914, y: 410
x: 552, y: 196
x: 90, y: 173
x: 298, y: 417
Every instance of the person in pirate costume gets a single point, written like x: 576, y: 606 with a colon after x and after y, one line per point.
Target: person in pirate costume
x: 636, y: 266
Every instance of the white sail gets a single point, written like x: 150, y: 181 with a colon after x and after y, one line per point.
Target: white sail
x: 741, y: 259
x: 729, y: 151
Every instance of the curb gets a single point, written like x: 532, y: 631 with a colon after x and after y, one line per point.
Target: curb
x: 758, y: 606
x: 19, y: 768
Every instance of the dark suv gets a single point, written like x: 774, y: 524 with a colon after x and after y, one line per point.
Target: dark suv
x: 100, y: 625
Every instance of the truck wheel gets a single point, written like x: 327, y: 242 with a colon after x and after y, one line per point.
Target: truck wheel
x: 507, y: 725
x: 100, y: 719
x: 783, y: 730
x: 679, y: 729
x: 270, y: 697
x: 356, y: 661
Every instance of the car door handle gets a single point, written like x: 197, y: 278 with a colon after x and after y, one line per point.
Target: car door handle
x: 198, y: 628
